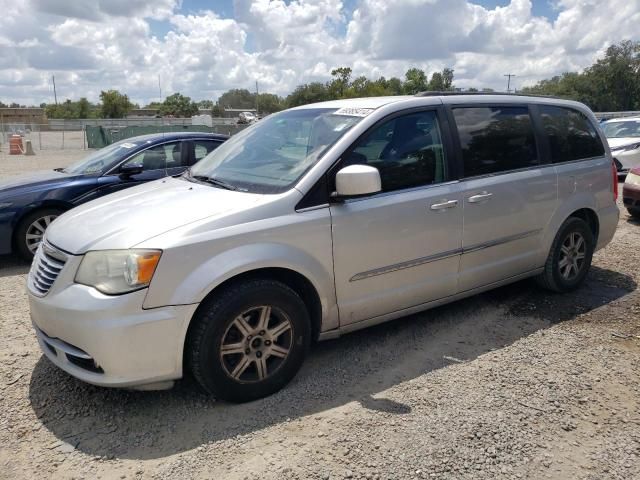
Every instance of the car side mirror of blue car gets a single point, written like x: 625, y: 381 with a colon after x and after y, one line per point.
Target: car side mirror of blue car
x: 130, y: 169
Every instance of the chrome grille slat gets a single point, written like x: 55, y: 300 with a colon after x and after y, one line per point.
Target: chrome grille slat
x: 51, y: 263
x: 47, y: 265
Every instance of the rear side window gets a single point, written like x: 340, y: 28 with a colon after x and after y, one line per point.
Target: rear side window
x: 495, y: 139
x: 571, y: 135
x: 202, y: 148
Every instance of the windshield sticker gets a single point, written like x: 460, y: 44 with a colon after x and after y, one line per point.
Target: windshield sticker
x: 354, y: 112
x: 128, y: 145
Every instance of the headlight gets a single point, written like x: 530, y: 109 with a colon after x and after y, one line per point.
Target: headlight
x: 632, y: 179
x: 118, y: 271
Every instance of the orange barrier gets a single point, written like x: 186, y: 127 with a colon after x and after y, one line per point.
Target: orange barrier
x: 15, y: 145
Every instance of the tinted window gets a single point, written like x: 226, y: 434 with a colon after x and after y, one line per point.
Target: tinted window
x: 571, y: 135
x: 406, y: 150
x: 203, y: 147
x: 495, y: 139
x: 159, y: 157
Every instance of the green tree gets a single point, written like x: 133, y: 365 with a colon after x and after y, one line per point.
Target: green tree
x: 84, y: 108
x: 610, y: 84
x: 178, y: 105
x: 308, y: 93
x: 415, y: 81
x: 237, y: 98
x: 114, y: 104
x: 269, y: 103
x: 206, y: 104
x: 340, y: 83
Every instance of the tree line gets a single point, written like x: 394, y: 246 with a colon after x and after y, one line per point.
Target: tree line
x: 612, y: 83
x: 114, y: 104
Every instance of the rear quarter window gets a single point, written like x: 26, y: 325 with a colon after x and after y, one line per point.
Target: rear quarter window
x: 570, y: 133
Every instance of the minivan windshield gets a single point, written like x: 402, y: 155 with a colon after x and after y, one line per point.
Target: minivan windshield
x: 273, y: 154
x: 630, y: 128
x: 98, y: 160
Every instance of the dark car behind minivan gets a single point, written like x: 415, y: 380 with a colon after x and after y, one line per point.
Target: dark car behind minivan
x: 30, y: 202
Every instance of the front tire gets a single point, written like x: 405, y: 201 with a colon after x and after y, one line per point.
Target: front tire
x: 634, y: 212
x: 249, y: 341
x: 30, y: 231
x: 570, y: 257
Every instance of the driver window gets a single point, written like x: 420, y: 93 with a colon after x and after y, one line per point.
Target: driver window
x: 159, y: 157
x: 407, y: 151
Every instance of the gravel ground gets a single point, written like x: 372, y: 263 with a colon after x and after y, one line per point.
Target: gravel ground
x: 514, y: 383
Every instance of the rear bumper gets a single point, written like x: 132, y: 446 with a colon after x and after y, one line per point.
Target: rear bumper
x: 631, y: 196
x: 110, y: 340
x: 608, y: 219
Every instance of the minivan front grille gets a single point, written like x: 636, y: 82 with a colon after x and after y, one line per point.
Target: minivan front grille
x: 47, y: 265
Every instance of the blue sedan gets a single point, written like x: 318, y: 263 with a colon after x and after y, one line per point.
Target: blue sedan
x: 29, y: 203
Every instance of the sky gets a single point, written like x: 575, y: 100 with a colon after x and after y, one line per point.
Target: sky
x: 202, y: 48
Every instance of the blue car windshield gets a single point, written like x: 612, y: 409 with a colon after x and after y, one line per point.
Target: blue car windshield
x: 273, y: 154
x: 97, y: 161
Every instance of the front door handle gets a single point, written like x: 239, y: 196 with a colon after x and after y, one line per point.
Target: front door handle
x: 444, y: 205
x: 481, y: 197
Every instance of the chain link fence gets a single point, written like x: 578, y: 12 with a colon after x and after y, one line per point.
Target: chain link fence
x: 81, y: 134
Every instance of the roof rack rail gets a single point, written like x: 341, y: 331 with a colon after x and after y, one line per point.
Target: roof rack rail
x: 450, y: 93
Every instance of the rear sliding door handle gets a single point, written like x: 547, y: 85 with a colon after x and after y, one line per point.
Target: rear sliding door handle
x: 444, y: 205
x: 481, y: 197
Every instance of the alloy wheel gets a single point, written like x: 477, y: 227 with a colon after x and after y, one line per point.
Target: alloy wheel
x: 572, y: 256
x: 256, y: 344
x: 35, y: 232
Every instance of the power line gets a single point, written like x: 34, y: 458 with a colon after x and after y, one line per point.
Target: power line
x: 509, y: 76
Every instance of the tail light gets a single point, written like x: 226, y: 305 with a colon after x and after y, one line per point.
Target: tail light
x: 614, y: 172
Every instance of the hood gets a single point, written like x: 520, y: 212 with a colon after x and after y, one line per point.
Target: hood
x: 32, y: 180
x: 615, y: 143
x: 124, y: 219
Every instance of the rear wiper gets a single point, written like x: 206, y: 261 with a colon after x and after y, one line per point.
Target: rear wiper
x: 214, y: 181
x: 59, y: 169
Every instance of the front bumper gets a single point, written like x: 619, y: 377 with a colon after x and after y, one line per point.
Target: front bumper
x: 631, y: 196
x: 110, y: 340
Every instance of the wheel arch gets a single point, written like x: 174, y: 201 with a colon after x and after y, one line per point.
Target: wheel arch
x: 294, y: 280
x: 591, y: 218
x: 32, y: 208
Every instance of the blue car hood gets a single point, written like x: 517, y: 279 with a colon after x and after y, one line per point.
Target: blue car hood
x: 33, y: 179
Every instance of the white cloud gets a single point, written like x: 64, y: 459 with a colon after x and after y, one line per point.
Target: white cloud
x: 92, y: 45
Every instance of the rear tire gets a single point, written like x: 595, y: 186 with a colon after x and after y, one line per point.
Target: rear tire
x: 30, y: 231
x: 249, y: 341
x: 570, y: 257
x: 634, y: 212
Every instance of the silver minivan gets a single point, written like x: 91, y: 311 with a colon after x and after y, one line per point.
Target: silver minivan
x: 318, y: 221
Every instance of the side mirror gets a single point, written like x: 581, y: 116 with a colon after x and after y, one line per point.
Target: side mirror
x: 129, y: 169
x: 356, y: 180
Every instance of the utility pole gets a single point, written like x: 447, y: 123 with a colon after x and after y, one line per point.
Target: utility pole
x: 55, y: 95
x: 256, y: 98
x: 509, y: 76
x: 159, y: 89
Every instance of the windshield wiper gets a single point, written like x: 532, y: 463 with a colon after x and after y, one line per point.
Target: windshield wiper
x: 214, y: 181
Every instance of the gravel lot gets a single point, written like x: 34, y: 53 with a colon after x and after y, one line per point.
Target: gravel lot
x: 514, y: 383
